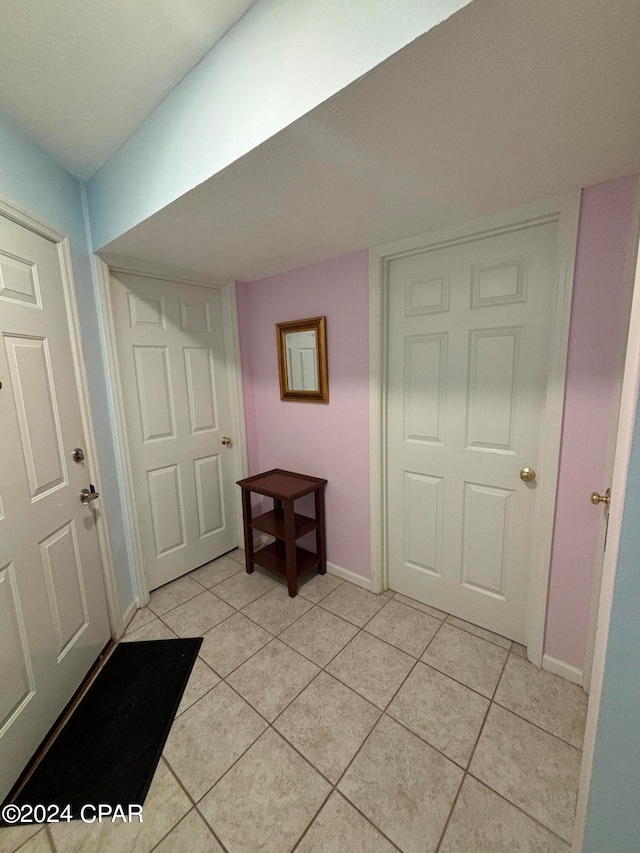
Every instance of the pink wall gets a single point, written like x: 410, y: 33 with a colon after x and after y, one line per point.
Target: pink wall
x: 606, y: 219
x: 332, y: 440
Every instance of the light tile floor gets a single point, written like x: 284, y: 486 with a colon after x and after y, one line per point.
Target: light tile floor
x: 344, y: 722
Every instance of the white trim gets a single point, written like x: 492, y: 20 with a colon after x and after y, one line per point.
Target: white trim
x: 564, y: 670
x: 566, y: 212
x: 348, y: 575
x: 551, y: 430
x: 163, y: 272
x: 104, y: 283
x: 231, y: 336
x: 626, y: 422
x: 27, y: 220
x: 378, y: 361
x: 629, y: 275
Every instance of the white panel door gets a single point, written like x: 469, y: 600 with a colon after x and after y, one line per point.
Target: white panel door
x: 53, y: 615
x: 174, y: 389
x: 302, y: 361
x: 469, y: 331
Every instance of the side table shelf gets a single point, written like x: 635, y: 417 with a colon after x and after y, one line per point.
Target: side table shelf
x: 283, y: 557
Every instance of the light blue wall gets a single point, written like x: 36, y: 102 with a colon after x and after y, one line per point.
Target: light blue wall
x: 31, y: 179
x: 282, y: 59
x: 613, y: 813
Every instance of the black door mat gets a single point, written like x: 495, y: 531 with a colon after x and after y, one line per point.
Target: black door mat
x: 109, y: 749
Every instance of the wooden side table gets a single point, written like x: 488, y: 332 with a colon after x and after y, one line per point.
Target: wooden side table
x: 283, y: 556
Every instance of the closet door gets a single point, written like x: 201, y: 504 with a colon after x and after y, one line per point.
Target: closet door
x: 469, y: 332
x: 173, y: 375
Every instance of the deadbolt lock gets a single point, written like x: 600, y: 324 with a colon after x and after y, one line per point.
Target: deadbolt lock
x: 78, y: 455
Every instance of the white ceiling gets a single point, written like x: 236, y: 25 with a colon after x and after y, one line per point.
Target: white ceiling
x: 79, y: 76
x: 502, y: 105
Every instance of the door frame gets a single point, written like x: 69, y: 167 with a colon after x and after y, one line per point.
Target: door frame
x: 227, y: 290
x: 565, y: 211
x: 629, y: 278
x: 626, y: 421
x: 28, y: 220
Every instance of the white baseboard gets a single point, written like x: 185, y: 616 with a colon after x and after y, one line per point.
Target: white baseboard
x: 348, y: 575
x: 564, y: 670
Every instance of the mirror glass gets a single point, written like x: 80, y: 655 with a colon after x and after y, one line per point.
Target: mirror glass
x: 302, y: 360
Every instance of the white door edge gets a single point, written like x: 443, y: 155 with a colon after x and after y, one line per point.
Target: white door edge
x: 628, y: 404
x: 566, y: 212
x: 103, y: 275
x: 236, y: 394
x: 26, y: 219
x: 630, y: 272
x: 227, y: 289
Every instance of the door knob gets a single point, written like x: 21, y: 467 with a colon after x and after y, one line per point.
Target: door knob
x: 527, y: 475
x: 601, y: 499
x: 226, y: 441
x: 88, y: 495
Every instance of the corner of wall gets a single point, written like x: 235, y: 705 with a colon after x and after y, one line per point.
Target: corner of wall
x: 243, y: 302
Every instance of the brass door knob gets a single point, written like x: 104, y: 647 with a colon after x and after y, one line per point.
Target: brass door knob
x: 226, y: 441
x: 601, y: 499
x: 527, y: 475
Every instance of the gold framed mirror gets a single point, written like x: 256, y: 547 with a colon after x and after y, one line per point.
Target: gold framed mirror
x: 302, y: 360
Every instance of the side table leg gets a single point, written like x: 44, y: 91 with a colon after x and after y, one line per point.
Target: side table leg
x: 321, y: 536
x: 281, y: 550
x: 248, y: 533
x: 290, y: 539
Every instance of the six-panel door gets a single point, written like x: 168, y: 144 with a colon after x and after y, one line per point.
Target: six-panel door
x: 174, y: 388
x: 53, y: 616
x: 469, y: 339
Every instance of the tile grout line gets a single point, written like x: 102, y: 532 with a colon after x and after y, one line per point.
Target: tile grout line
x: 395, y: 598
x: 404, y: 651
x: 518, y: 808
x: 193, y: 802
x: 536, y: 726
x: 479, y: 636
x: 452, y: 678
x: 282, y: 630
x: 49, y: 834
x: 27, y: 840
x: 204, y: 632
x: 338, y: 793
x: 175, y: 826
x: 315, y: 815
x: 473, y: 751
x: 208, y: 589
